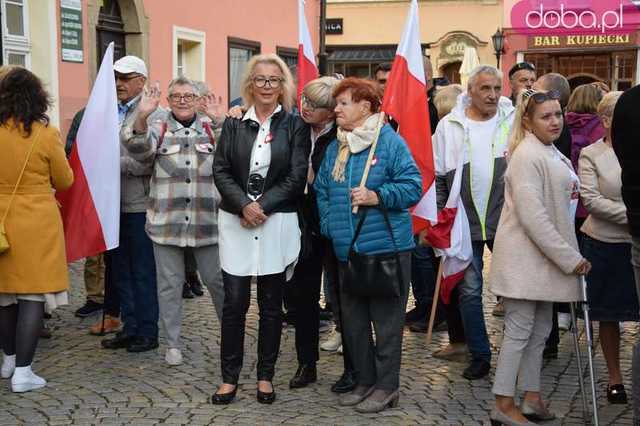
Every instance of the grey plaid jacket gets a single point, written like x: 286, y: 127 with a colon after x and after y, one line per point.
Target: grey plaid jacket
x: 183, y: 199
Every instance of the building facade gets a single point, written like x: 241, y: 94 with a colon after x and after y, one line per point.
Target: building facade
x: 63, y: 41
x: 363, y: 33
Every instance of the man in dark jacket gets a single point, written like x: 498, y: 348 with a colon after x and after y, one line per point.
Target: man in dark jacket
x: 625, y: 134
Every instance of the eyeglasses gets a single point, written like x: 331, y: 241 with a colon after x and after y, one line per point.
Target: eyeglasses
x: 187, y: 97
x: 309, y: 104
x: 261, y: 81
x: 540, y: 97
x: 126, y: 77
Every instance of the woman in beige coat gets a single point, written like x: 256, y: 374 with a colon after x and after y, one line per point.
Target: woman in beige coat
x: 535, y: 257
x: 34, y: 269
x: 606, y: 243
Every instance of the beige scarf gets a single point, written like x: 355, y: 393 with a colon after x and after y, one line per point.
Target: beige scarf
x: 354, y: 142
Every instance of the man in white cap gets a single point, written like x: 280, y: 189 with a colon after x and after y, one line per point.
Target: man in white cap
x: 130, y: 268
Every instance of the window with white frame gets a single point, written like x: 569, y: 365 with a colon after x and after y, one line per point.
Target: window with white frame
x: 15, y: 32
x: 188, y: 53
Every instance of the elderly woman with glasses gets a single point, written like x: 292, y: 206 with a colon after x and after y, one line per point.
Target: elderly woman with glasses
x: 181, y: 213
x: 260, y: 169
x: 541, y: 196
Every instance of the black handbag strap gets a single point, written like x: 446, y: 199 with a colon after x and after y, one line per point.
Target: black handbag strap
x: 385, y: 214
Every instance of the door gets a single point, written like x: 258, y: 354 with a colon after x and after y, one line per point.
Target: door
x: 110, y: 28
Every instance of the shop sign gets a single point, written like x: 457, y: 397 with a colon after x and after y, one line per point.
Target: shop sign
x: 567, y: 17
x: 333, y: 26
x: 580, y: 41
x: 71, y: 30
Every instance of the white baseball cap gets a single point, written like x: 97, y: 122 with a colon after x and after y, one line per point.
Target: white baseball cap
x: 130, y: 64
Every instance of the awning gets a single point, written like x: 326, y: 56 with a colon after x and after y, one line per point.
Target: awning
x: 382, y: 54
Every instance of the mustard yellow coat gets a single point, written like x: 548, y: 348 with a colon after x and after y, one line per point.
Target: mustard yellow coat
x: 36, y: 261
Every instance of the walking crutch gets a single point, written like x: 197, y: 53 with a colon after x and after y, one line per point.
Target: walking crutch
x: 587, y: 328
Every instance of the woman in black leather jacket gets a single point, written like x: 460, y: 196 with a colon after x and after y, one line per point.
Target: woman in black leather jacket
x: 260, y: 169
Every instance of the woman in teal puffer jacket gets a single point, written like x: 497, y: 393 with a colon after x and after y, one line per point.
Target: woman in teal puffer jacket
x: 395, y: 180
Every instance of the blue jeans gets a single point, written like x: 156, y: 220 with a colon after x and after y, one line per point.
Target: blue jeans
x: 423, y: 276
x: 134, y: 271
x: 470, y: 305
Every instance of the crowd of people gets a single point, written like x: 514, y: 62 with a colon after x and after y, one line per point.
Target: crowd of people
x: 297, y: 195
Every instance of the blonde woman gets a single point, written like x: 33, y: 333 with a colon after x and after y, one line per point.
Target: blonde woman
x: 537, y: 223
x: 260, y: 169
x: 606, y: 242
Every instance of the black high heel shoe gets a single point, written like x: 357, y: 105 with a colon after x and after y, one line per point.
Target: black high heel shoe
x: 616, y: 394
x: 266, y: 397
x: 224, y: 398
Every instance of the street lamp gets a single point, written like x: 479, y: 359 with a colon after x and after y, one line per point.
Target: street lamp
x: 498, y: 44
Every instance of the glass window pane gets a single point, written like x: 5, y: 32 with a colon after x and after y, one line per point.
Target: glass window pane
x: 17, y: 59
x: 180, y: 59
x: 238, y: 58
x: 15, y: 21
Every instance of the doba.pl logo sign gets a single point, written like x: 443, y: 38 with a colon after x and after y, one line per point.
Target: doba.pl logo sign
x: 575, y: 17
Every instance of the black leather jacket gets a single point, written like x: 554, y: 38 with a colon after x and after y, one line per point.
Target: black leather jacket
x: 287, y: 175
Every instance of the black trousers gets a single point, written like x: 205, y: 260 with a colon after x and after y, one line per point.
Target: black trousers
x: 304, y: 297
x: 376, y: 364
x: 237, y: 295
x: 330, y: 263
x: 111, y: 293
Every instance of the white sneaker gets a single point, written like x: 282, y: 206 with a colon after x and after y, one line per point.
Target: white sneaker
x: 564, y: 321
x: 332, y: 343
x: 8, y: 365
x: 173, y: 356
x: 25, y: 380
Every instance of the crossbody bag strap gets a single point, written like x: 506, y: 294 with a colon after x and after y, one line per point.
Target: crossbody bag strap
x: 358, y: 228
x: 385, y: 214
x: 15, y: 189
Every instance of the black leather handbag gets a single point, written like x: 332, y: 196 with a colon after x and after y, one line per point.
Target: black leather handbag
x: 373, y: 275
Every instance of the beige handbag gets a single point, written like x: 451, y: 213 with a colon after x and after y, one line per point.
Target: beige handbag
x: 4, y: 241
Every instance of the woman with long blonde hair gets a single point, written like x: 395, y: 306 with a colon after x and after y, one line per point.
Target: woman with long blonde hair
x: 541, y: 195
x: 260, y: 169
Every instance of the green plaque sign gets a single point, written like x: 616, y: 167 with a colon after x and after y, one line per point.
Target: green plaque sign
x: 71, y: 30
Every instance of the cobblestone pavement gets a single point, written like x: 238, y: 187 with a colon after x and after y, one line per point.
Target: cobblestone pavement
x: 89, y: 385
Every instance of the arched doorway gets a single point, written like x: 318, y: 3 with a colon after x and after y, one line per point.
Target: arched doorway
x: 110, y: 28
x: 580, y: 79
x: 452, y: 72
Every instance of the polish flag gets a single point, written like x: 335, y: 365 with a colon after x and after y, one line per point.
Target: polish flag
x: 91, y: 207
x: 405, y: 99
x: 307, y: 69
x: 451, y: 238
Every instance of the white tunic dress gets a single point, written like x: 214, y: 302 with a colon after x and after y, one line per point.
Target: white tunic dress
x: 270, y: 248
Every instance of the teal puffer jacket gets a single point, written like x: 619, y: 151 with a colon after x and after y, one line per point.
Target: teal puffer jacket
x: 393, y: 174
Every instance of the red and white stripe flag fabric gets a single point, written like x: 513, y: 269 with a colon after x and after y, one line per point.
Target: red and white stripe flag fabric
x: 307, y: 69
x: 405, y: 99
x: 451, y: 238
x: 91, y: 207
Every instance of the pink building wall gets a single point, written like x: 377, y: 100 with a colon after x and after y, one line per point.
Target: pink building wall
x: 272, y: 23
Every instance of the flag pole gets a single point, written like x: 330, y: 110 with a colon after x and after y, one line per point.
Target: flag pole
x: 372, y: 151
x: 434, y: 304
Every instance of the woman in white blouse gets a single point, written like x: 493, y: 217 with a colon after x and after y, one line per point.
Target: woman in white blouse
x: 260, y: 169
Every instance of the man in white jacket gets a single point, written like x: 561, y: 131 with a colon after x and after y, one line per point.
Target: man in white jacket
x: 477, y: 128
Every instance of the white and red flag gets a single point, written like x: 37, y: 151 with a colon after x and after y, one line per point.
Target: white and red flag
x: 405, y: 99
x: 91, y: 207
x: 307, y: 69
x: 451, y: 237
